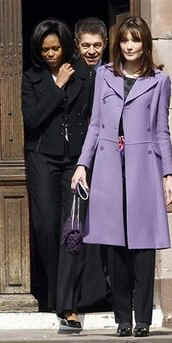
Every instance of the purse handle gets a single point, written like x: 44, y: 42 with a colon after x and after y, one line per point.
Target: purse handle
x: 82, y: 191
x: 75, y: 210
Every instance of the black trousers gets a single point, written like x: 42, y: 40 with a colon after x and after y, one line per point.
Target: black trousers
x: 132, y: 275
x: 132, y: 279
x: 79, y: 274
x: 66, y: 281
x: 49, y: 179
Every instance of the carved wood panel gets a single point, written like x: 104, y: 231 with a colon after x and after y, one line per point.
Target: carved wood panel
x: 14, y: 243
x: 11, y: 131
x: 14, y: 213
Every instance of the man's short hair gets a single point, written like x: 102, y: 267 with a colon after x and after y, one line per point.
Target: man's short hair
x: 91, y: 25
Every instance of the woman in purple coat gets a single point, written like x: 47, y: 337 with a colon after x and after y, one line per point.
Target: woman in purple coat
x: 129, y: 140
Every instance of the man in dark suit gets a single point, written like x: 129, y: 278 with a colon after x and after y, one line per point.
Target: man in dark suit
x: 91, y: 41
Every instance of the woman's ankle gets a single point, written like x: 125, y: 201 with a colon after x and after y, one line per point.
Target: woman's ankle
x: 70, y: 315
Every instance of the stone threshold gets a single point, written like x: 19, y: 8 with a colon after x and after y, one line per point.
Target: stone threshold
x: 48, y: 321
x: 90, y: 336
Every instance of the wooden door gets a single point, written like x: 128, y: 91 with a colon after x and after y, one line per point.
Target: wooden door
x: 14, y: 216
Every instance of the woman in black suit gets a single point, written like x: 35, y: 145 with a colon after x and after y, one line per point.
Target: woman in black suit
x: 56, y: 96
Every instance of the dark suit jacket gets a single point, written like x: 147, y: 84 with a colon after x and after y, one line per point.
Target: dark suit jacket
x: 48, y: 110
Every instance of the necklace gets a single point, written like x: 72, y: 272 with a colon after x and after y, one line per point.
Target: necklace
x: 132, y: 76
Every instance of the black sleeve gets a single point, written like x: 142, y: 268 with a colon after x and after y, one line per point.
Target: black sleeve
x: 91, y: 93
x: 36, y: 112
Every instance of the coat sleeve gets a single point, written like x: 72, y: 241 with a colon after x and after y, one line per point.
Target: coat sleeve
x: 37, y: 110
x: 163, y: 132
x: 92, y: 136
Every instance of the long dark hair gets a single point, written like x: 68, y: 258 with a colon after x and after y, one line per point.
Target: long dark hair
x: 42, y: 30
x: 139, y: 30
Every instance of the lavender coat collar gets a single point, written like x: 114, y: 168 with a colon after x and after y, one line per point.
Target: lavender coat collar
x: 138, y: 88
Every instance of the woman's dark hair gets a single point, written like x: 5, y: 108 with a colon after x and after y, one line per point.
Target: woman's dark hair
x: 41, y: 31
x: 139, y: 30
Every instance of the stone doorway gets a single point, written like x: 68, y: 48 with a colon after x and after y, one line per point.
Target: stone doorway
x: 109, y: 11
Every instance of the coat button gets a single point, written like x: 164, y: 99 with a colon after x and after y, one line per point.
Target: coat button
x: 149, y: 151
x: 102, y: 148
x: 103, y: 126
x: 148, y: 129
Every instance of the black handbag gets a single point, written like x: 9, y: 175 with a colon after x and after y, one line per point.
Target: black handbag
x: 73, y: 227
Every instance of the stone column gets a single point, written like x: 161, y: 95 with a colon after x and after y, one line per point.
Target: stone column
x: 157, y: 13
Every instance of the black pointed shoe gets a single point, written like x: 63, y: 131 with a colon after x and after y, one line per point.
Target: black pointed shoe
x: 70, y: 326
x: 124, y: 329
x: 141, y: 330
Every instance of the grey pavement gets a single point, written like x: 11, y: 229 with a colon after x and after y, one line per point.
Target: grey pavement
x: 96, y: 336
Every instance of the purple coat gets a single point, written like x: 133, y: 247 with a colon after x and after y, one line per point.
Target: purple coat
x: 148, y: 157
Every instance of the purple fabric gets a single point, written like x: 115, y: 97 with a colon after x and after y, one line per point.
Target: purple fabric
x: 72, y: 231
x: 148, y: 156
x: 72, y: 236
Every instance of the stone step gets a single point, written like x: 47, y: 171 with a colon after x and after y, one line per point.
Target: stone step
x: 46, y: 321
x: 87, y: 336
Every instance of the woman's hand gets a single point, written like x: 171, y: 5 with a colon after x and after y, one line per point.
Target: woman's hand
x: 168, y: 189
x: 64, y: 74
x: 79, y: 176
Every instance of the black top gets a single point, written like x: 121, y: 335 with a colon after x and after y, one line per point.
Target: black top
x: 128, y: 84
x: 51, y: 113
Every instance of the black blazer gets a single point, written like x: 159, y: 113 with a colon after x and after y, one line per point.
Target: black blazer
x: 48, y: 110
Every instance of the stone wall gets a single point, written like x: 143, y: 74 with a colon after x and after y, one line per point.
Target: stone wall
x: 158, y: 14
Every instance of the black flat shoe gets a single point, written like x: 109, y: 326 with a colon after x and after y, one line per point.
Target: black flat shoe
x: 124, y: 329
x: 141, y: 330
x: 70, y: 326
